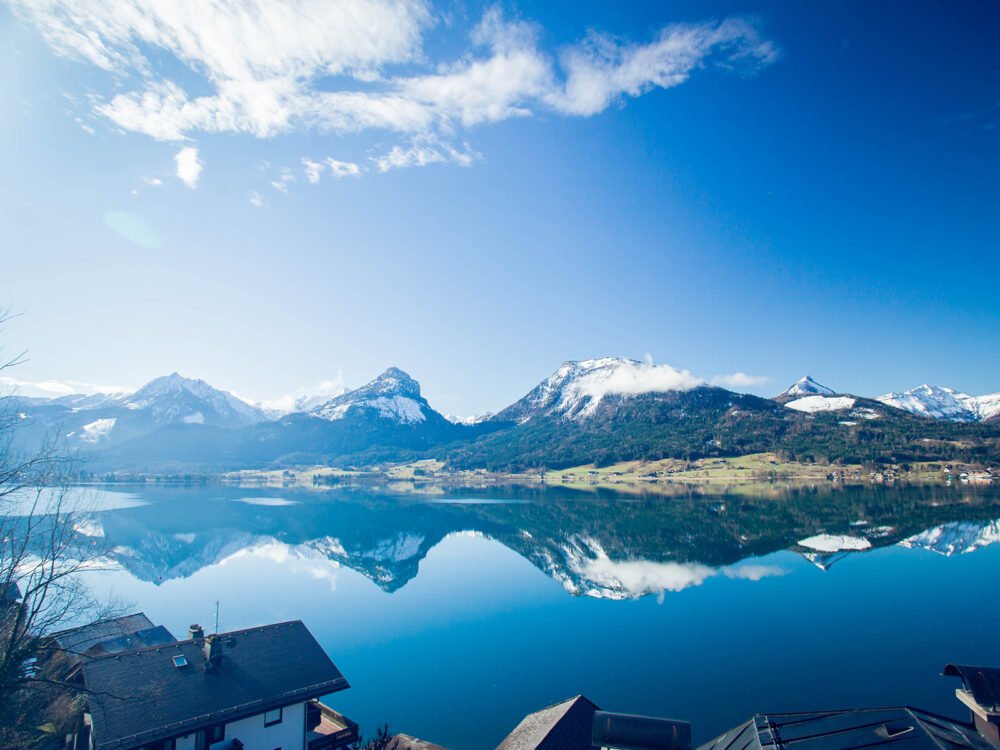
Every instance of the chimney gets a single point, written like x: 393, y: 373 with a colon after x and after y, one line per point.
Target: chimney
x: 196, y: 632
x: 213, y: 651
x: 980, y: 693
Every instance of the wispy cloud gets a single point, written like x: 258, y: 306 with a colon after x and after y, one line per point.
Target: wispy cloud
x: 56, y: 388
x: 313, y: 170
x: 255, y: 200
x: 343, y: 168
x: 189, y: 166
x: 739, y: 380
x: 424, y: 150
x: 261, y: 64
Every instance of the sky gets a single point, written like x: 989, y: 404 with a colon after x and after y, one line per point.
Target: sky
x: 282, y: 197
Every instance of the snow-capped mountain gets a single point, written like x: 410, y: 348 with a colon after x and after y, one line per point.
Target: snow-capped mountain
x: 806, y: 386
x: 174, y: 398
x: 932, y: 401
x: 957, y: 538
x: 939, y: 402
x: 393, y: 395
x: 577, y: 388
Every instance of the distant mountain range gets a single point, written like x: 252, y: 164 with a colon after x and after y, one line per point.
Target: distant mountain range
x: 591, y: 411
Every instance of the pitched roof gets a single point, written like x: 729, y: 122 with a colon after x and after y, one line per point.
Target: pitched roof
x: 562, y: 726
x: 902, y: 728
x: 141, y: 696
x: 75, y: 642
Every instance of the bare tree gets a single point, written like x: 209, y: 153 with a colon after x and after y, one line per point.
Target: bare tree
x: 42, y: 554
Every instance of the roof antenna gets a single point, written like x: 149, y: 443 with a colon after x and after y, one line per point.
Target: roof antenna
x: 216, y: 617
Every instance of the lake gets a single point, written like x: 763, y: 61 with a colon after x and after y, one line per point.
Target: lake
x: 454, y: 614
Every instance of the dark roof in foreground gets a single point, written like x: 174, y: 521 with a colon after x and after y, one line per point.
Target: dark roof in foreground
x: 982, y: 682
x: 141, y: 696
x: 562, y: 726
x: 900, y: 728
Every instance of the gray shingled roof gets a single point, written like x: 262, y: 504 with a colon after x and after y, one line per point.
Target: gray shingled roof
x: 77, y: 641
x: 563, y: 726
x: 141, y: 697
x: 902, y: 728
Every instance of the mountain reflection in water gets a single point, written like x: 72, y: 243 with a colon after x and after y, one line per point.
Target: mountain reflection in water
x: 610, y: 547
x: 455, y: 616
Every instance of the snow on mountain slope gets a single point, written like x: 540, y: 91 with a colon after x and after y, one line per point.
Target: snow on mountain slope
x: 394, y: 395
x: 813, y: 404
x: 933, y: 401
x: 835, y: 543
x: 806, y: 386
x: 957, y: 538
x: 174, y: 398
x: 576, y: 389
x: 95, y: 431
x: 985, y: 407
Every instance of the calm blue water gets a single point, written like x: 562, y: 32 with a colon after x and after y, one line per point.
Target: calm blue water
x: 453, y: 617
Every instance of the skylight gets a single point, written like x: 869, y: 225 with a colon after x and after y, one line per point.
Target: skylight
x: 180, y: 660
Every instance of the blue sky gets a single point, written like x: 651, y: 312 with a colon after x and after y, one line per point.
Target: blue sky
x: 476, y: 193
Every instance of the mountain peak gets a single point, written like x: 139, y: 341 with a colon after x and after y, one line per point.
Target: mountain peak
x: 806, y: 386
x: 393, y: 395
x: 935, y: 401
x: 397, y: 381
x: 173, y: 397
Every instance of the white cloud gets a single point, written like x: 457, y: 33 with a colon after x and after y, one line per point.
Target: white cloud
x: 188, y: 166
x: 313, y: 170
x: 739, y: 380
x: 601, y: 69
x: 281, y: 184
x: 633, y: 378
x: 753, y: 572
x: 424, y: 150
x: 343, y: 168
x: 305, y: 398
x: 255, y: 199
x: 260, y: 64
x: 55, y: 388
x: 152, y: 181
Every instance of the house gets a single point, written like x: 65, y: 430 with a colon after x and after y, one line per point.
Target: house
x: 577, y: 724
x: 256, y: 689
x: 110, y: 636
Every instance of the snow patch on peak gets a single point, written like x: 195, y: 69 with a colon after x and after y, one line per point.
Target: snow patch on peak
x: 397, y: 408
x: 835, y: 543
x: 813, y: 404
x: 806, y: 386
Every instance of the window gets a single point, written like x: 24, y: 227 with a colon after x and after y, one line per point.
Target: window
x: 215, y: 733
x: 179, y: 660
x: 272, y: 717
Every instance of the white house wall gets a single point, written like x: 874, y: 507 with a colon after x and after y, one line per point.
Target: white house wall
x: 288, y: 735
